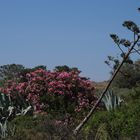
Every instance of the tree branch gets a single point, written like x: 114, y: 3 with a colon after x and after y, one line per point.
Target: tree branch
x: 136, y: 51
x: 120, y: 48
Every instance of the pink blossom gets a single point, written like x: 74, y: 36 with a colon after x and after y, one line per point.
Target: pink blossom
x: 46, y: 83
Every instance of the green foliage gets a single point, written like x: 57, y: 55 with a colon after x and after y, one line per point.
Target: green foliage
x: 7, y: 112
x: 40, y: 127
x: 16, y: 72
x: 128, y: 95
x: 11, y: 71
x: 5, y: 101
x: 102, y: 133
x: 65, y: 68
x: 121, y: 123
x: 129, y: 76
x: 40, y: 67
x: 61, y: 104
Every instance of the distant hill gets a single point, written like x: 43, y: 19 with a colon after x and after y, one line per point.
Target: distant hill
x: 100, y: 85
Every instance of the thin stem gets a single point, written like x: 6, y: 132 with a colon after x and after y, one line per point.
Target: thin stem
x: 136, y: 51
x: 120, y: 48
x: 134, y: 37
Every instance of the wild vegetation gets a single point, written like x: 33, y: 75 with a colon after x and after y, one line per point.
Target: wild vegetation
x: 36, y: 103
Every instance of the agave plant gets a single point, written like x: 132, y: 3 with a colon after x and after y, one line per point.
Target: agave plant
x: 111, y: 101
x: 8, y: 111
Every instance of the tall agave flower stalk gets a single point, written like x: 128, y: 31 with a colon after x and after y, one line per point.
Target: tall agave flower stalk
x: 132, y: 47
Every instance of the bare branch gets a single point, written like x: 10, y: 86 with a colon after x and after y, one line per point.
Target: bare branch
x: 136, y: 51
x: 120, y: 48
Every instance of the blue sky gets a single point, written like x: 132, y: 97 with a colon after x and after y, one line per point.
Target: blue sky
x: 64, y: 32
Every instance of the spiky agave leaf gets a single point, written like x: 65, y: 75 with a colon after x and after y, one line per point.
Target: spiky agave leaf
x: 111, y: 101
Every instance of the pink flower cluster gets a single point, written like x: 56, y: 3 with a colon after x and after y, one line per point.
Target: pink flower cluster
x: 40, y: 85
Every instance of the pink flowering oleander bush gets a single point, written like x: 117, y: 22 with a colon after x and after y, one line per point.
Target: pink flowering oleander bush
x: 53, y: 91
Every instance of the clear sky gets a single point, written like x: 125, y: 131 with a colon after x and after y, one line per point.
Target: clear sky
x: 63, y: 32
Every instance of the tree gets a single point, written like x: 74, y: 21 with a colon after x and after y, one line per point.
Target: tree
x: 132, y: 47
x: 129, y: 76
x: 65, y: 68
x: 11, y: 71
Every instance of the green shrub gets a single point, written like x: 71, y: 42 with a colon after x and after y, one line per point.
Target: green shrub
x: 129, y: 76
x: 121, y: 123
x: 42, y: 127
